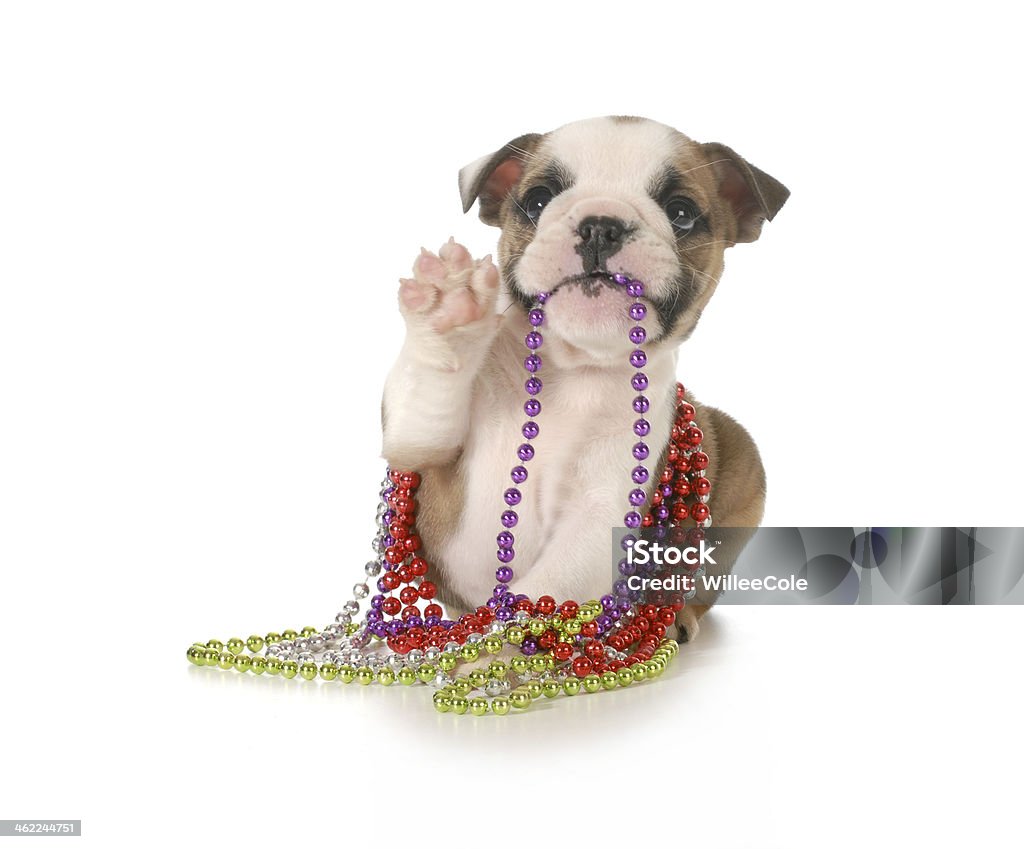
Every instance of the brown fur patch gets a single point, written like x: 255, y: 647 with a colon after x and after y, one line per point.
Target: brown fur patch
x: 735, y: 468
x: 737, y: 496
x: 516, y: 233
x: 738, y: 487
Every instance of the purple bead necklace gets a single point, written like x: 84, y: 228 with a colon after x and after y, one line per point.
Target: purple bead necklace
x: 503, y: 599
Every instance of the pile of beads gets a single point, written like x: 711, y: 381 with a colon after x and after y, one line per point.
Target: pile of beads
x: 565, y: 648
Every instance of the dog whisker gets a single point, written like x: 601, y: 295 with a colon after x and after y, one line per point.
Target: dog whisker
x: 675, y: 299
x: 520, y: 206
x: 705, y: 165
x: 697, y: 271
x: 698, y: 245
x: 526, y: 154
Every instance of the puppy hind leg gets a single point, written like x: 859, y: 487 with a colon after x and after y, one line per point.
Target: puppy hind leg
x: 737, y: 504
x: 687, y: 622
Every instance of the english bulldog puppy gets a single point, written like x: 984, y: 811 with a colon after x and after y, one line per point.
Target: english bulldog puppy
x: 574, y: 206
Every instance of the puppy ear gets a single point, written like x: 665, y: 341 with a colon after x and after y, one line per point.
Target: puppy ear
x: 492, y: 177
x: 753, y: 195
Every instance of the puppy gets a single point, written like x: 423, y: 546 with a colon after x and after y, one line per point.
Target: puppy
x: 575, y: 206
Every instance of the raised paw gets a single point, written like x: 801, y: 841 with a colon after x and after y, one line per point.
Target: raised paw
x: 450, y: 290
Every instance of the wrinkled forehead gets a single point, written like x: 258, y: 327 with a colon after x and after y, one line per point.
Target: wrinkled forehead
x: 625, y: 154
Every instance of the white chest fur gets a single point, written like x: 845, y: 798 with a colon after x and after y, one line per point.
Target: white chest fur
x: 578, y: 479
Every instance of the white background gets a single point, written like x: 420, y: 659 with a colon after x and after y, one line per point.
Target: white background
x: 204, y: 211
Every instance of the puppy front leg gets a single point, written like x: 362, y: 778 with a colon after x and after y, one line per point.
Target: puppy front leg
x: 448, y: 307
x: 576, y: 561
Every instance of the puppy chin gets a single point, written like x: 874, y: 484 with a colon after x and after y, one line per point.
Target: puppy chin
x: 592, y: 317
x: 588, y: 311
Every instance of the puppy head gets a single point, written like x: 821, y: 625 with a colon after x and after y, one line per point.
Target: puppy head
x: 617, y: 195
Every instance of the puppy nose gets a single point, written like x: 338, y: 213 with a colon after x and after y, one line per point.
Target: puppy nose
x: 601, y: 228
x: 600, y: 238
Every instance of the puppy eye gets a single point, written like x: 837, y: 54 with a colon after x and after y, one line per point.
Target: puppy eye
x: 536, y: 199
x: 682, y: 214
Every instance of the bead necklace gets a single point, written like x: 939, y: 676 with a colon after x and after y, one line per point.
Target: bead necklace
x: 556, y: 649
